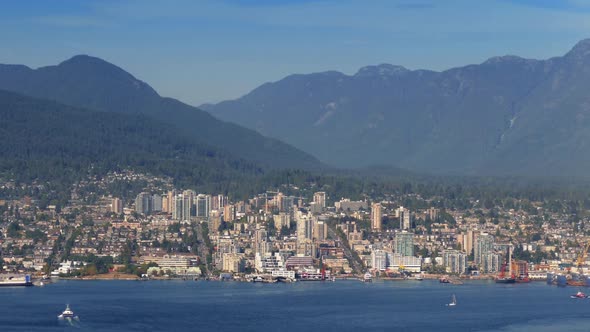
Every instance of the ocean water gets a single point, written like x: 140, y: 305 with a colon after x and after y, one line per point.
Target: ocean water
x: 302, y: 306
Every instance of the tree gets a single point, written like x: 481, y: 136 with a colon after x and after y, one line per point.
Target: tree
x: 13, y: 230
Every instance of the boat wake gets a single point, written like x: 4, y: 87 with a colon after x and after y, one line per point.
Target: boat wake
x: 70, y: 321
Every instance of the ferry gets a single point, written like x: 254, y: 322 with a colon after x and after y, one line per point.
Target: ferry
x: 16, y: 281
x: 368, y: 277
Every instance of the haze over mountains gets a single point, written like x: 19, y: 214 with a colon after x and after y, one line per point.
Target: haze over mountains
x: 506, y: 116
x: 94, y: 84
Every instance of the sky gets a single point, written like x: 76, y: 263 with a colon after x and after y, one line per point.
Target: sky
x: 209, y: 51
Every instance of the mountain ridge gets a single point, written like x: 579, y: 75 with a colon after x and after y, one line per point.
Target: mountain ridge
x: 95, y: 84
x: 492, y: 118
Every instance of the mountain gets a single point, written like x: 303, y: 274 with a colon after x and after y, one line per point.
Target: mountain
x: 505, y: 116
x: 40, y: 142
x: 95, y: 84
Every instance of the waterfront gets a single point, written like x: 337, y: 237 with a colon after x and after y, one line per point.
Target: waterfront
x: 342, y: 305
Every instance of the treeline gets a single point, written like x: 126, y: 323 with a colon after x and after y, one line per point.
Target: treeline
x: 55, y: 145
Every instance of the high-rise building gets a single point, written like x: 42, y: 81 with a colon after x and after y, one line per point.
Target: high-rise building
x: 315, y: 208
x: 261, y: 245
x: 432, y: 213
x: 379, y: 260
x: 218, y: 202
x: 320, y: 199
x: 203, y: 203
x: 117, y: 205
x: 188, y: 200
x: 214, y: 220
x: 376, y: 217
x: 467, y: 239
x: 183, y: 206
x: 156, y: 203
x: 484, y: 252
x: 287, y: 203
x: 404, y: 243
x: 405, y: 217
x: 455, y: 261
x: 282, y: 220
x: 171, y: 195
x: 320, y: 232
x: 304, y: 225
x: 229, y: 213
x: 165, y: 204
x: 144, y: 203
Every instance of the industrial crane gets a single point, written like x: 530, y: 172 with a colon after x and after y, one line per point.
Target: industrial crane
x: 582, y: 257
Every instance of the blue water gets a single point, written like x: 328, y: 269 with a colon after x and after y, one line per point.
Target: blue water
x: 337, y: 306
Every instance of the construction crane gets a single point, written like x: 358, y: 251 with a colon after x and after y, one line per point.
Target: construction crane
x: 582, y: 257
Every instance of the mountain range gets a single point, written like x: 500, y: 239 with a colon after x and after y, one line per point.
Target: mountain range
x: 93, y: 84
x: 505, y: 116
x: 40, y: 142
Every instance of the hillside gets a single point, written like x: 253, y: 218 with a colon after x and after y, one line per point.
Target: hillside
x: 95, y: 84
x: 505, y: 116
x: 49, y: 141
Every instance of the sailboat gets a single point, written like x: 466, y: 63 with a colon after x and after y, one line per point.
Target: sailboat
x: 453, y: 302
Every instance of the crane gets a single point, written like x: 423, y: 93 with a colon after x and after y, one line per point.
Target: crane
x: 582, y: 257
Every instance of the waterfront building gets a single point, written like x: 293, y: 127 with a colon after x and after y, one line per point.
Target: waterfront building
x: 486, y: 257
x: 484, y: 245
x: 268, y: 262
x: 178, y: 264
x: 233, y: 262
x: 455, y: 261
x: 404, y: 243
x: 379, y: 260
x: 397, y: 262
x: 299, y: 262
x: 282, y: 273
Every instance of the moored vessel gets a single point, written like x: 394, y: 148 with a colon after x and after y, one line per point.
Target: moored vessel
x: 16, y: 281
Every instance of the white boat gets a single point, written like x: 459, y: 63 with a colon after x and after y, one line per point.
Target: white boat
x: 368, y: 277
x: 68, y: 313
x: 453, y: 302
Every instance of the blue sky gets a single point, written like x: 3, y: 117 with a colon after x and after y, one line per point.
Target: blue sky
x: 208, y: 51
